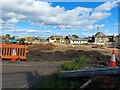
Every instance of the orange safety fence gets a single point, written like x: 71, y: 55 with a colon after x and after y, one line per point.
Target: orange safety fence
x: 9, y: 51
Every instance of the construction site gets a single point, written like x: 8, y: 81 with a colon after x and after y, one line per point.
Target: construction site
x: 49, y: 57
x: 60, y: 44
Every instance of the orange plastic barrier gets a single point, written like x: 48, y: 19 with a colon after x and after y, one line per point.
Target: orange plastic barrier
x: 9, y: 51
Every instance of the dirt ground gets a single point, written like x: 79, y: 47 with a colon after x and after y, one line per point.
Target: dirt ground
x: 105, y: 82
x: 61, y: 52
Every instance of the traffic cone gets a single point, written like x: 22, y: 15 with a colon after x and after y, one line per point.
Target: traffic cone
x: 112, y: 62
x: 13, y: 54
x: 13, y: 59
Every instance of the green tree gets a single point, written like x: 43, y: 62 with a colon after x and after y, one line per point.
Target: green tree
x: 75, y: 36
x: 7, y: 36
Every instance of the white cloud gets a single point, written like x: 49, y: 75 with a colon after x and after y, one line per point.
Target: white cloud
x: 13, y: 20
x: 28, y: 31
x: 42, y: 13
x: 97, y: 16
x: 106, y: 6
x: 8, y: 27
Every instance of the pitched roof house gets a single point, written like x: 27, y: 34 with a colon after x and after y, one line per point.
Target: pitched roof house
x: 101, y: 39
x: 56, y: 39
x: 70, y: 40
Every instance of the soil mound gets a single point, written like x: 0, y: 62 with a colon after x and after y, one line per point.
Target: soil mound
x: 40, y: 47
x: 93, y: 56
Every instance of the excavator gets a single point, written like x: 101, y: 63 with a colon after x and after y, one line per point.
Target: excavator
x: 28, y: 40
x: 22, y: 41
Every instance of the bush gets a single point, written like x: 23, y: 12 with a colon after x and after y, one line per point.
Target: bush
x: 69, y: 66
x: 81, y: 60
x: 74, y: 65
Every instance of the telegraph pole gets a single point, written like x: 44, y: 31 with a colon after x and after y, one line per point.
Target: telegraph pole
x: 97, y: 28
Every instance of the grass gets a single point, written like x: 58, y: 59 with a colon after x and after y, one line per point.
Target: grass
x: 74, y: 65
x: 53, y: 81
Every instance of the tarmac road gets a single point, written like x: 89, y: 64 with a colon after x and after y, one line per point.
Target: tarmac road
x: 26, y: 74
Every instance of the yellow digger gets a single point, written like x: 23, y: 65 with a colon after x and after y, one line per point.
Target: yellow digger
x: 28, y: 40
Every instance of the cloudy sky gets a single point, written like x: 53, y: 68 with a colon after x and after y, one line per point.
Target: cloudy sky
x: 40, y: 18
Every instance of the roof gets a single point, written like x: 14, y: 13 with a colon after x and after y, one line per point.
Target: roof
x: 100, y: 34
x: 79, y: 39
x: 76, y: 39
x: 5, y: 40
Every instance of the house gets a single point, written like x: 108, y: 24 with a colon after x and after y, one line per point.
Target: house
x: 111, y: 38
x: 78, y: 41
x: 56, y: 39
x: 117, y: 40
x: 91, y: 39
x: 16, y: 37
x: 66, y: 40
x: 52, y: 39
x: 99, y: 38
x: 5, y: 40
x: 70, y: 40
x: 34, y: 39
x: 38, y: 39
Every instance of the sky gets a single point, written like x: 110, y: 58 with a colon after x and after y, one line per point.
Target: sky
x: 42, y: 18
